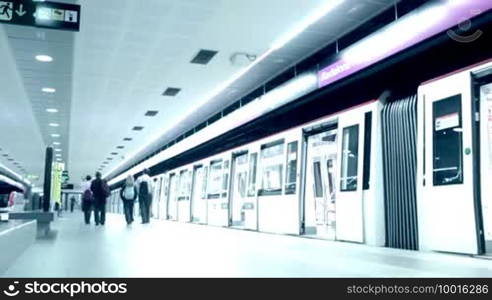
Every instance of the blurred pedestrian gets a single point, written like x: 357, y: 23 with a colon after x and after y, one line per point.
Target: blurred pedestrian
x: 144, y: 185
x: 100, y: 191
x: 128, y: 194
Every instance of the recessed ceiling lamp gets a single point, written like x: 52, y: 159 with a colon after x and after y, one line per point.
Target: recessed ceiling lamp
x: 54, y: 124
x: 48, y: 90
x: 55, y: 135
x: 44, y: 58
x: 52, y: 110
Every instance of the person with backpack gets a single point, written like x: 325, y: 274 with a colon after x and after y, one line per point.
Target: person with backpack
x: 87, y: 199
x: 144, y: 185
x: 100, y: 191
x: 128, y: 194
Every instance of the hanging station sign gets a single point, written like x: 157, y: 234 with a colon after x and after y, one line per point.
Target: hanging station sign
x: 44, y: 14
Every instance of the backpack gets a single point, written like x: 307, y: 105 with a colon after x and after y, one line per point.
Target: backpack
x: 87, y: 196
x: 129, y: 193
x: 105, y: 189
x: 144, y: 188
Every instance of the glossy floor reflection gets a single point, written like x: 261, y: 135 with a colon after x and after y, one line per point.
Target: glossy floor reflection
x: 168, y: 249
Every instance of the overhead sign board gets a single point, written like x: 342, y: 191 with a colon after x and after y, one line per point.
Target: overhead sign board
x: 45, y: 14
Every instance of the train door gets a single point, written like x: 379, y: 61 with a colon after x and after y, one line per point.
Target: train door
x: 155, y: 198
x: 485, y: 99
x: 184, y: 203
x: 448, y: 205
x: 237, y: 193
x: 163, y: 198
x: 251, y: 204
x: 198, y: 196
x: 172, y: 207
x: 320, y: 181
x: 349, y: 198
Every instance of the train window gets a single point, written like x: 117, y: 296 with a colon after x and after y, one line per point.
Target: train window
x: 350, y: 154
x: 242, y: 160
x: 215, y: 179
x: 204, y: 185
x: 184, y: 185
x: 272, y: 169
x: 318, y: 184
x: 448, y: 141
x: 225, y: 176
x: 252, y: 174
x: 291, y: 169
x: 366, y: 173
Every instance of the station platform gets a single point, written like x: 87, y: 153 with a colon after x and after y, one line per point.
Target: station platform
x: 171, y: 249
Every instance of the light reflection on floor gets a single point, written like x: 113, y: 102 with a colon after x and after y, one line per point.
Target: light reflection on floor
x: 169, y: 249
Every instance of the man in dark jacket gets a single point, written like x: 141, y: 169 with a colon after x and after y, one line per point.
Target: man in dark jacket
x: 100, y: 192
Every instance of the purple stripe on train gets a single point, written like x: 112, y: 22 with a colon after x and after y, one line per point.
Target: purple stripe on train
x: 410, y: 30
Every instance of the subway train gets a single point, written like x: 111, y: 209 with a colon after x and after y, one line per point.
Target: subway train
x: 411, y: 173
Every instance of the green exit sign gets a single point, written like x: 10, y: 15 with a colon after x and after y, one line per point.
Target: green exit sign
x: 40, y: 14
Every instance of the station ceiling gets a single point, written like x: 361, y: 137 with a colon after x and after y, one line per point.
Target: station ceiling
x: 114, y: 71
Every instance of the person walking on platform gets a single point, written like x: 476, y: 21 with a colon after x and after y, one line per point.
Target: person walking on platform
x: 87, y: 199
x: 128, y: 194
x: 100, y: 190
x: 72, y: 203
x: 144, y: 185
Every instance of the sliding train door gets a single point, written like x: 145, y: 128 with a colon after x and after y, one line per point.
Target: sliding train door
x: 184, y: 202
x: 163, y: 197
x: 320, y: 182
x: 486, y: 163
x: 172, y: 206
x: 349, y: 200
x: 448, y: 221
x: 239, y: 174
x: 199, y: 195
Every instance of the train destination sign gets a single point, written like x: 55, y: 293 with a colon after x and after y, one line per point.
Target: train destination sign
x: 45, y: 14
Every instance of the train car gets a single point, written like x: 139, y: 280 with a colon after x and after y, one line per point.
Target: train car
x: 407, y: 173
x: 455, y: 161
x: 311, y: 180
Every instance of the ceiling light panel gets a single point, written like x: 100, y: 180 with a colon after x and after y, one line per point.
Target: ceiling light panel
x: 44, y: 58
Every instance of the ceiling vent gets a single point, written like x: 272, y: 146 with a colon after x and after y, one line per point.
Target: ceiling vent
x: 204, y: 57
x: 172, y: 92
x: 138, y: 128
x: 114, y: 153
x: 151, y: 113
x: 127, y: 139
x: 120, y: 147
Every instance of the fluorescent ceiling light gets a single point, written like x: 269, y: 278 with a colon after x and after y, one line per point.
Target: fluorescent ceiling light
x: 298, y: 28
x: 58, y: 154
x: 58, y: 150
x: 54, y: 124
x: 44, y: 58
x: 55, y: 135
x: 56, y: 143
x: 48, y: 90
x: 52, y: 110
